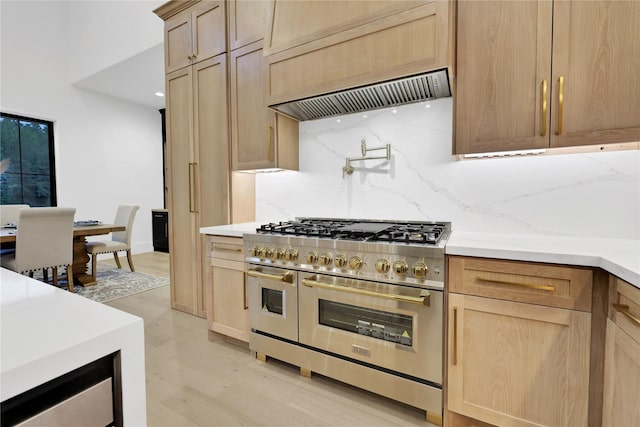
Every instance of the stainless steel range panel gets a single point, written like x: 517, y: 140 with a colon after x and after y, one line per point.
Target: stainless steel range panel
x: 360, y: 301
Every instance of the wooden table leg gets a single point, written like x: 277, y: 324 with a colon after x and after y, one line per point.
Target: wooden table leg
x: 80, y: 261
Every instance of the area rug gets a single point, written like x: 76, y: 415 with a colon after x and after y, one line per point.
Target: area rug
x: 114, y: 283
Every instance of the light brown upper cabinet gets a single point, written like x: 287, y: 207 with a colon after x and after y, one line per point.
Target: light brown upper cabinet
x: 316, y: 47
x: 247, y: 21
x: 539, y: 74
x: 260, y: 138
x: 193, y: 35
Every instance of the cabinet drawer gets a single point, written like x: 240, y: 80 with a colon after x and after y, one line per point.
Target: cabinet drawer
x: 625, y: 307
x: 91, y: 407
x: 534, y: 283
x: 227, y: 248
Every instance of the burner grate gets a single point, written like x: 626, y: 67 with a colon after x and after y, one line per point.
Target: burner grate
x: 360, y: 230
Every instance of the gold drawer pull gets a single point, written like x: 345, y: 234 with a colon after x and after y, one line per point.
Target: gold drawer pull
x: 544, y: 108
x: 422, y: 300
x: 455, y: 336
x: 225, y: 248
x: 524, y: 285
x: 560, y: 104
x: 286, y: 277
x: 624, y: 309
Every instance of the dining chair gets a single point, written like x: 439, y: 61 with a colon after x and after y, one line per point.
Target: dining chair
x: 44, y: 240
x: 9, y: 214
x: 120, y: 240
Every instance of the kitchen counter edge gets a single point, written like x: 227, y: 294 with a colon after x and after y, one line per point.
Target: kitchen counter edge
x: 620, y: 257
x: 231, y: 230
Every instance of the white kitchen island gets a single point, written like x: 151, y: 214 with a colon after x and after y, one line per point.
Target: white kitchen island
x: 46, y: 333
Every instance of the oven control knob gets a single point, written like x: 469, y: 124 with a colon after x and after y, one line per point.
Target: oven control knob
x: 268, y: 253
x: 382, y: 266
x: 326, y: 258
x: 279, y: 254
x: 401, y: 267
x: 312, y: 257
x: 291, y: 255
x: 257, y: 251
x: 419, y: 270
x: 355, y: 263
x: 340, y: 261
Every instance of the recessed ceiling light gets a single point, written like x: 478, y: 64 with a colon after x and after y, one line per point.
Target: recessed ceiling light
x: 338, y: 120
x: 364, y: 116
x: 394, y: 111
x: 159, y: 94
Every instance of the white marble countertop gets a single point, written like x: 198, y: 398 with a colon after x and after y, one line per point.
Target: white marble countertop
x: 231, y: 230
x: 620, y: 257
x: 46, y: 332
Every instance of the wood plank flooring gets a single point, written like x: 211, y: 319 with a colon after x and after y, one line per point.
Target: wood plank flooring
x: 192, y: 381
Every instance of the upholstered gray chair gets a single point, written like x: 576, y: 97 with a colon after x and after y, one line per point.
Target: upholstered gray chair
x: 9, y: 213
x: 120, y: 240
x: 44, y: 240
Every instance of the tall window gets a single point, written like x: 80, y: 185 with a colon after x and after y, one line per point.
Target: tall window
x: 27, y: 171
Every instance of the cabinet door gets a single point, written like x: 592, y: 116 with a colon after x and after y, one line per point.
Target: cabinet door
x: 178, y: 49
x: 192, y: 36
x: 247, y: 21
x: 621, y: 378
x: 211, y: 144
x: 229, y: 300
x: 182, y: 198
x: 208, y: 30
x: 596, y: 50
x: 517, y: 364
x: 252, y: 139
x: 212, y: 140
x: 503, y: 60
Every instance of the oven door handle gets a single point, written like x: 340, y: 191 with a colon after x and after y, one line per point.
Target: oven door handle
x: 423, y: 299
x: 286, y: 277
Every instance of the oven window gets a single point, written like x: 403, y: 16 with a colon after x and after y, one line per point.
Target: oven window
x: 272, y: 300
x: 378, y: 324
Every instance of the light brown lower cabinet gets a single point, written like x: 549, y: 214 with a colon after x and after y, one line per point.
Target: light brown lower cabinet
x: 518, y: 343
x: 621, y: 406
x: 227, y: 309
x: 518, y: 364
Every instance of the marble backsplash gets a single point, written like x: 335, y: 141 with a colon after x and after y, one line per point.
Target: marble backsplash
x: 594, y: 194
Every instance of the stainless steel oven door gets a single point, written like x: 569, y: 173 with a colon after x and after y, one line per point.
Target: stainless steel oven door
x: 394, y: 327
x: 273, y: 301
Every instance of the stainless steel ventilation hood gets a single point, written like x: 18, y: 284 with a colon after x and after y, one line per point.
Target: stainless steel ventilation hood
x: 407, y: 90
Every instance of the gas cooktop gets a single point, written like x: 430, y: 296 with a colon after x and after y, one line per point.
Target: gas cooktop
x: 414, y: 232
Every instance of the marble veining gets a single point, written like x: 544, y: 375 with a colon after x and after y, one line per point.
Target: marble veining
x: 592, y: 194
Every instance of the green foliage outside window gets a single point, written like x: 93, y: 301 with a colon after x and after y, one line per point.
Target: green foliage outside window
x: 26, y: 153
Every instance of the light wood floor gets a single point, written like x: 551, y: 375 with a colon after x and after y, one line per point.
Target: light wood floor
x: 192, y: 381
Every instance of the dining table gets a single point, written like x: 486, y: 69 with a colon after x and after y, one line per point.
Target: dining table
x: 80, y: 256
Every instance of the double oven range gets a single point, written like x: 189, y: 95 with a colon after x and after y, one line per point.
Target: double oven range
x: 360, y: 301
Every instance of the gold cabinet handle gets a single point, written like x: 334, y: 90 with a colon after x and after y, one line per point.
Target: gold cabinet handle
x: 269, y: 143
x: 544, y: 108
x: 422, y: 300
x: 524, y: 285
x: 244, y: 292
x: 192, y: 185
x: 286, y: 277
x: 560, y: 104
x: 455, y: 336
x: 624, y: 309
x: 225, y: 248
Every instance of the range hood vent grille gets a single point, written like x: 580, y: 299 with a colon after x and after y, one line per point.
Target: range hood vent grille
x: 382, y: 95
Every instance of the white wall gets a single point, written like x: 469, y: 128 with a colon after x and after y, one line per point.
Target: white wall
x: 108, y: 151
x: 572, y: 194
x: 101, y: 33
